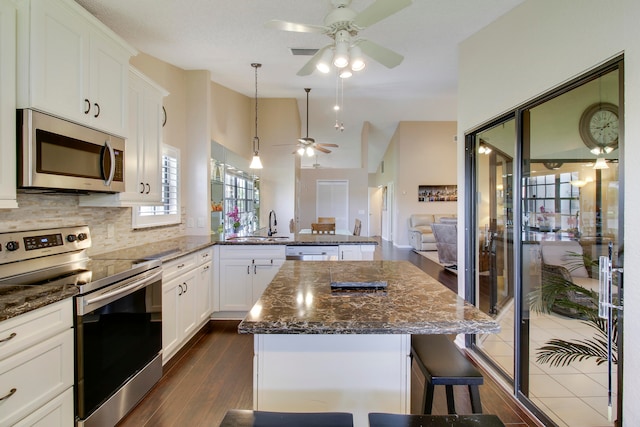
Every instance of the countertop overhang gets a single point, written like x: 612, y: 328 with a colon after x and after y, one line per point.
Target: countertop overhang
x: 299, y: 300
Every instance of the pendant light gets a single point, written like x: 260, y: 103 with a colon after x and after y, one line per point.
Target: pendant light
x: 255, y: 162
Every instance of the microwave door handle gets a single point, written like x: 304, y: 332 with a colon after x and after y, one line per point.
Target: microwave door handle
x: 112, y: 163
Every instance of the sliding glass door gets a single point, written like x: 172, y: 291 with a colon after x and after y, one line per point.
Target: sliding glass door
x: 546, y: 205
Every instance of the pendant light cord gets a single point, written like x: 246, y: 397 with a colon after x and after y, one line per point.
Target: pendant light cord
x: 256, y: 140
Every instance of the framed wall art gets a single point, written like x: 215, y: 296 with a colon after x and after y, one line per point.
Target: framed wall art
x: 437, y: 193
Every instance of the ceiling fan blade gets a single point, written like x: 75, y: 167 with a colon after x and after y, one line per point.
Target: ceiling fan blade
x: 324, y: 150
x: 385, y: 56
x: 277, y: 24
x: 378, y: 11
x: 310, y: 66
x: 326, y: 144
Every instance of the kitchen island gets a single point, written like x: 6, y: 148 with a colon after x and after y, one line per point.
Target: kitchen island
x: 318, y: 349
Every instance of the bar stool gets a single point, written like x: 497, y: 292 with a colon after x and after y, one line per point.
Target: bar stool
x: 442, y: 363
x: 248, y: 418
x: 377, y: 419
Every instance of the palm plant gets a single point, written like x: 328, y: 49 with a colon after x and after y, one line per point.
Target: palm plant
x: 559, y: 294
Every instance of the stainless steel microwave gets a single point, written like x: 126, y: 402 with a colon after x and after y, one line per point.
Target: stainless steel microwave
x: 55, y: 154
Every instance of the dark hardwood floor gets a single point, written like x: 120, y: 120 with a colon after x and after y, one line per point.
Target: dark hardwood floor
x: 213, y: 373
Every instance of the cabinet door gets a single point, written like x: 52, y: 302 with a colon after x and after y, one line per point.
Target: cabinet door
x: 151, y: 125
x: 236, y: 289
x: 109, y: 70
x: 187, y: 303
x: 58, y: 63
x: 350, y: 253
x: 263, y: 273
x: 170, y: 327
x: 7, y: 105
x: 204, y: 304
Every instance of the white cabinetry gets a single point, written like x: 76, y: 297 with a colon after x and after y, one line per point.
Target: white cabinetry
x: 36, y: 367
x: 143, y: 152
x: 71, y: 65
x: 245, y: 272
x: 356, y: 252
x: 186, y: 299
x: 7, y: 105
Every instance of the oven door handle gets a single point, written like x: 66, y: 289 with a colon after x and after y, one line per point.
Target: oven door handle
x: 120, y: 291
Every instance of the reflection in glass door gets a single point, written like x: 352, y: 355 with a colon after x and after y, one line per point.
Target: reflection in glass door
x: 494, y: 153
x: 556, y: 164
x: 569, y: 206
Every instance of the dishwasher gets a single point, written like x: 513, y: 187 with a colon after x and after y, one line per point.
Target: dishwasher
x: 312, y: 252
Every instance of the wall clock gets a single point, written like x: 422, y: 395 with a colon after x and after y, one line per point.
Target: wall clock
x: 599, y: 126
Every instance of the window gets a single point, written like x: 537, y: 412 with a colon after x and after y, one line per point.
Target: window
x: 169, y: 212
x: 240, y: 192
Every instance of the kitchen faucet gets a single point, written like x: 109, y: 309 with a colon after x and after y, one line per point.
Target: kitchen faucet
x: 275, y: 222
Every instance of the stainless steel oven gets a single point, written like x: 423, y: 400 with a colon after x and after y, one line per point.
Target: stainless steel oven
x: 61, y: 155
x: 118, y: 316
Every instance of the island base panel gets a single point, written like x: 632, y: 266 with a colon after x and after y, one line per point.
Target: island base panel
x: 332, y: 373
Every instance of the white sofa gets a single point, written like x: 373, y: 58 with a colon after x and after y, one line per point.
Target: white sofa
x: 420, y: 234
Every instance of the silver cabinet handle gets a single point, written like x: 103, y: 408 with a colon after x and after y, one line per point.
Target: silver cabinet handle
x: 8, y: 395
x: 10, y: 337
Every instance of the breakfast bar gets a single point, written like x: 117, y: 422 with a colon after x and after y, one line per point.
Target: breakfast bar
x: 336, y: 336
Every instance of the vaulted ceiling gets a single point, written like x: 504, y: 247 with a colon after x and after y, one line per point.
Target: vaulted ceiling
x: 226, y: 36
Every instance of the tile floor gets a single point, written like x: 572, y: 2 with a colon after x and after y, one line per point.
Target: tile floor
x: 574, y: 395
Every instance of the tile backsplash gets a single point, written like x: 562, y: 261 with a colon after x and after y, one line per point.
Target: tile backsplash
x: 38, y: 211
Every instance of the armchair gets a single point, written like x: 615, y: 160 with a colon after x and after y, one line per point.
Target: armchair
x: 446, y: 235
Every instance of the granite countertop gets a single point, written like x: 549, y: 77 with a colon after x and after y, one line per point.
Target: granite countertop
x: 167, y: 250
x: 16, y: 300
x: 19, y: 299
x: 299, y: 300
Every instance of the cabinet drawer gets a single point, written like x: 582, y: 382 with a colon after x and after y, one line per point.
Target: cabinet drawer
x: 179, y: 265
x: 21, y: 332
x: 56, y: 413
x: 205, y: 256
x: 37, y: 374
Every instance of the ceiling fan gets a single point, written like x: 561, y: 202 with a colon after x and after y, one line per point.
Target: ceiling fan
x: 309, y: 145
x: 342, y: 24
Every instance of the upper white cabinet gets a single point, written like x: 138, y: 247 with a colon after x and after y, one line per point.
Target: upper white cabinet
x: 143, y: 150
x: 7, y: 105
x: 71, y: 65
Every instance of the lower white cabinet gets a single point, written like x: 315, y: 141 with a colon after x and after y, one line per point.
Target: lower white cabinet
x: 245, y: 272
x: 356, y: 252
x: 36, y: 367
x: 186, y: 299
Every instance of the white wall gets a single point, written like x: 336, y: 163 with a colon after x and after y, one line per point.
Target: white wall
x: 532, y: 49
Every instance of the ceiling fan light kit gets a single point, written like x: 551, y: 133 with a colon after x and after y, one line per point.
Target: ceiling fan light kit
x: 307, y: 144
x: 342, y: 24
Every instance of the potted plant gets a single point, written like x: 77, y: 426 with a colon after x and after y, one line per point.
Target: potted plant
x: 234, y: 215
x: 558, y: 294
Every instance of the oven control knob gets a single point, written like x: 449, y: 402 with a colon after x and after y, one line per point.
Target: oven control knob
x: 71, y: 238
x: 82, y: 236
x: 12, y: 246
